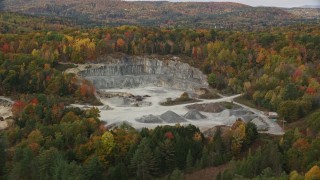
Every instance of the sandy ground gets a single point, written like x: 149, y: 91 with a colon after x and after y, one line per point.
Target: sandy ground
x: 159, y: 94
x: 5, y: 111
x: 81, y: 67
x: 274, y: 127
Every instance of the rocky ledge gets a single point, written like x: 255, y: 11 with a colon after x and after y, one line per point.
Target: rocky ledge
x: 134, y: 71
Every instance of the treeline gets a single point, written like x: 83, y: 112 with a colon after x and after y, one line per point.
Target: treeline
x: 221, y: 15
x: 296, y: 156
x: 13, y: 23
x: 277, y: 69
x: 26, y: 74
x: 48, y: 140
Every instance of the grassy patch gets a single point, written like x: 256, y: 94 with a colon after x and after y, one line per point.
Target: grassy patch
x: 178, y: 101
x: 183, y: 99
x: 209, y: 94
x: 228, y: 105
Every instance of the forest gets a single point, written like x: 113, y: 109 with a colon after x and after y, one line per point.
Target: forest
x: 217, y: 15
x: 275, y: 68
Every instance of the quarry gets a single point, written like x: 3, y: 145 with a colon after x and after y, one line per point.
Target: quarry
x: 132, y: 88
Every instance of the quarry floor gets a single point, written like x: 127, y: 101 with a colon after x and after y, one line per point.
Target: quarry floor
x: 120, y: 114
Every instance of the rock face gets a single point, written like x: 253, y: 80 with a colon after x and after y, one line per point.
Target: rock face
x: 132, y: 72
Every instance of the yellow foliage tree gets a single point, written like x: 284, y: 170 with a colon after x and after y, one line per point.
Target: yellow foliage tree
x: 35, y: 137
x: 238, y: 137
x: 197, y: 136
x: 294, y: 175
x: 107, y: 141
x: 313, y: 173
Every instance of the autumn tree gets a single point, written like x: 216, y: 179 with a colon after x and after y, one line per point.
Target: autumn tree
x: 313, y: 173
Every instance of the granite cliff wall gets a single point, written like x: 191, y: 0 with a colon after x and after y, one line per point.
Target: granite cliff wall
x: 132, y: 72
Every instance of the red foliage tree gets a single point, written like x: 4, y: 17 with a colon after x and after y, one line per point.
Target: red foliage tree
x: 17, y: 107
x: 301, y: 144
x: 120, y: 42
x: 34, y: 101
x: 5, y: 48
x: 169, y: 135
x: 310, y: 90
x: 86, y: 89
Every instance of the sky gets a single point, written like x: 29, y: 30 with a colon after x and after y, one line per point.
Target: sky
x: 277, y: 3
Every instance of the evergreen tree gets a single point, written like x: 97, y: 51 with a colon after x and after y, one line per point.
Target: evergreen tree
x: 119, y: 172
x: 94, y: 169
x: 2, y: 155
x: 189, y: 161
x: 143, y: 162
x: 167, y: 155
x: 62, y: 170
x: 175, y: 175
x: 204, y: 161
x: 45, y: 162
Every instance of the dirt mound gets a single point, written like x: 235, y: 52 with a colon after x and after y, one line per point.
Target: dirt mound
x: 172, y: 117
x: 149, y: 119
x: 225, y: 113
x: 231, y: 120
x: 239, y: 112
x: 248, y: 117
x: 207, y: 107
x: 194, y: 115
x: 106, y: 107
x: 261, y: 125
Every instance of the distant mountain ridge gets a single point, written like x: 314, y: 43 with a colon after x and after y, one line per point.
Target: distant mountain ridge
x: 310, y: 6
x: 159, y: 13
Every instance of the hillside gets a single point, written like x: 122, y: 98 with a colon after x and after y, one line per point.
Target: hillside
x: 19, y: 23
x: 161, y: 13
x: 47, y: 135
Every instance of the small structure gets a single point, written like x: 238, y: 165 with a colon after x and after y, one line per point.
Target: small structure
x: 272, y: 115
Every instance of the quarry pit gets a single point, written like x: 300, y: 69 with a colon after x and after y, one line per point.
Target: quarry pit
x: 132, y: 89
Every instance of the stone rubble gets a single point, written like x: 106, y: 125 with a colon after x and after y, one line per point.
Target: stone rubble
x: 194, y: 115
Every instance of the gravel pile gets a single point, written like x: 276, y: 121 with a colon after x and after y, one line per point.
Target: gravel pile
x: 261, y: 126
x: 231, y: 120
x: 149, y: 119
x: 239, y: 112
x: 171, y: 117
x: 207, y: 107
x: 194, y: 115
x: 248, y: 117
x: 225, y: 113
x: 106, y: 107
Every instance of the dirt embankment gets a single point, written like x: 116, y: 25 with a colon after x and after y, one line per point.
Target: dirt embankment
x: 207, y: 107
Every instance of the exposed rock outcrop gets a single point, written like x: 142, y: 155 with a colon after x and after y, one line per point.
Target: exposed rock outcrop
x: 132, y: 72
